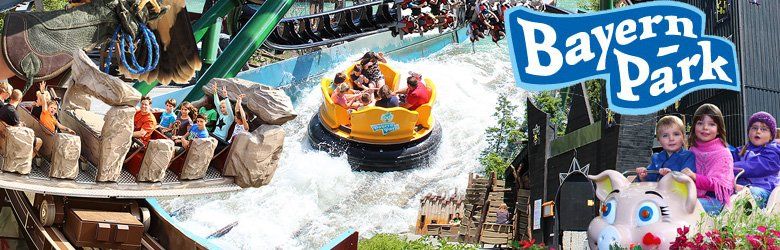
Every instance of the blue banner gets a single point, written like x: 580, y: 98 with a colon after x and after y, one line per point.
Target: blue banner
x: 650, y: 54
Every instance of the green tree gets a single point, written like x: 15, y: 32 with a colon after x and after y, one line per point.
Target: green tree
x: 504, y: 139
x: 551, y: 102
x: 590, y: 5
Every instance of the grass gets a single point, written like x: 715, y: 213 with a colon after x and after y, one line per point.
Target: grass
x: 397, y: 242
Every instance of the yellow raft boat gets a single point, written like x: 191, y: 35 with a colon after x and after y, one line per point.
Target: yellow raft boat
x: 376, y: 138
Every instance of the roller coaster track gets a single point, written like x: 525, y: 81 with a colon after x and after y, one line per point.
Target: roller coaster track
x: 331, y: 27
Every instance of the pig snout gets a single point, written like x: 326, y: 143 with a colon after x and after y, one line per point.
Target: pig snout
x: 611, y: 236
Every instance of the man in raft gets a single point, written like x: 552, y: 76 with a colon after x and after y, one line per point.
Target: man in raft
x: 416, y: 92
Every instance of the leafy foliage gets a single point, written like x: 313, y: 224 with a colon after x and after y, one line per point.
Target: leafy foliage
x: 396, y: 242
x: 504, y: 139
x: 591, y: 5
x: 551, y: 102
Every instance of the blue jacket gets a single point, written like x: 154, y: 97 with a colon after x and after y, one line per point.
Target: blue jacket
x: 761, y: 165
x: 676, y: 162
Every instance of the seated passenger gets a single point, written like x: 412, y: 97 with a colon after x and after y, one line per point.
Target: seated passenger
x: 338, y: 79
x: 714, y: 176
x: 340, y: 96
x: 363, y: 101
x: 197, y: 131
x: 241, y: 124
x: 359, y: 81
x: 8, y: 116
x: 386, y: 98
x: 760, y: 158
x: 370, y: 62
x: 49, y: 118
x: 168, y: 118
x: 669, y: 131
x: 208, y: 110
x: 502, y: 215
x: 144, y: 121
x: 225, y: 119
x: 455, y: 219
x: 186, y: 113
x: 416, y: 93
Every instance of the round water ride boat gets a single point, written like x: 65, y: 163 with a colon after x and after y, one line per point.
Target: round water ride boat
x: 376, y: 138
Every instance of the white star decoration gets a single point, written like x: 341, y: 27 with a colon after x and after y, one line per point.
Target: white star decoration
x: 574, y: 167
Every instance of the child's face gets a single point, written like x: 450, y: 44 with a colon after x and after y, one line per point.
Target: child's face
x: 169, y: 107
x: 671, y: 138
x: 53, y: 109
x: 184, y: 111
x: 706, y: 129
x: 201, y: 123
x: 759, y: 134
x: 223, y: 108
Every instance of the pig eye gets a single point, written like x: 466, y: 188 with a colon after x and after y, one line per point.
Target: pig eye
x: 648, y: 213
x: 608, y: 210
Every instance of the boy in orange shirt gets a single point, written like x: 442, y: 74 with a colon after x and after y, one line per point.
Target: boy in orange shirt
x: 49, y: 120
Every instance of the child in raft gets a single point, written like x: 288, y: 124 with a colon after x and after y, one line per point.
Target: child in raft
x: 714, y: 176
x: 241, y: 124
x: 187, y: 113
x: 670, y: 133
x: 225, y: 119
x: 760, y: 158
x: 341, y: 97
x: 197, y: 131
x: 49, y: 118
x: 168, y: 117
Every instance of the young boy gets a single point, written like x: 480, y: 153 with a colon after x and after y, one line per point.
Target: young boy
x: 49, y: 119
x: 198, y: 131
x: 669, y: 131
x: 168, y: 117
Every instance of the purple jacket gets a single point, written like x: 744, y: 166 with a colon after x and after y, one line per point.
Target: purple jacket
x: 761, y: 165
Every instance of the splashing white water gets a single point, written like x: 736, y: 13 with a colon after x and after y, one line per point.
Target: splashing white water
x: 314, y: 197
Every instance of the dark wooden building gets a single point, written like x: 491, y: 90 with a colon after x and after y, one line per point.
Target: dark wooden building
x: 618, y: 142
x: 755, y: 31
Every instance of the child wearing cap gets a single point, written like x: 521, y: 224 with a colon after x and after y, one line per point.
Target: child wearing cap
x: 760, y: 158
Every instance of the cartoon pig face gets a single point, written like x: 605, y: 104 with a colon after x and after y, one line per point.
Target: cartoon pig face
x: 646, y: 213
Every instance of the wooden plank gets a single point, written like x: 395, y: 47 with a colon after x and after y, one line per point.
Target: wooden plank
x: 492, y: 234
x: 494, y: 241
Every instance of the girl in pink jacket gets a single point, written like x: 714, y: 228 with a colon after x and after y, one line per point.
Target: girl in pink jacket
x: 714, y: 165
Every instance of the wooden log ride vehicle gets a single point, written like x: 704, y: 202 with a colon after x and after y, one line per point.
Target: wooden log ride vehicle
x: 103, y: 160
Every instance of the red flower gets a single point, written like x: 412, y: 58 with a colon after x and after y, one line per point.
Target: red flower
x: 651, y: 240
x: 754, y: 241
x: 527, y: 243
x: 775, y: 233
x: 683, y: 230
x: 698, y: 238
x: 761, y: 229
